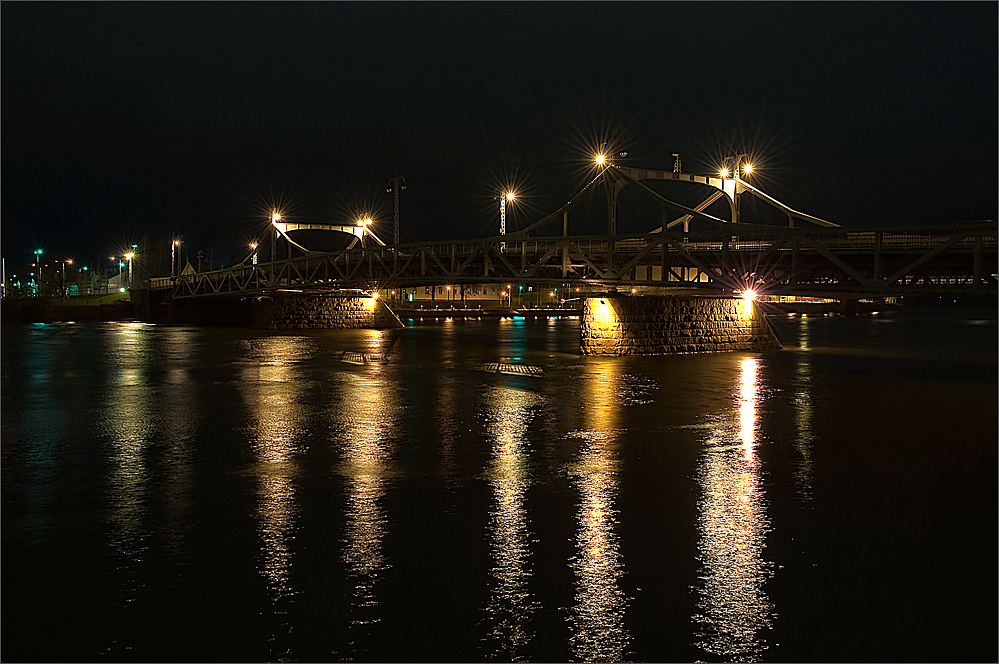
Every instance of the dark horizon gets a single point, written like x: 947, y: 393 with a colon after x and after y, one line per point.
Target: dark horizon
x: 123, y: 121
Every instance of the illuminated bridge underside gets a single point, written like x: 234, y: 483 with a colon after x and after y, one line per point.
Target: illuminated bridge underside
x: 823, y: 262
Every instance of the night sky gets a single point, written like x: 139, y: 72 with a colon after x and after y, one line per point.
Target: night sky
x: 130, y: 121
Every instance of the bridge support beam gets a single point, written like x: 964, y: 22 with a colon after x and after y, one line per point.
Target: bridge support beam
x: 667, y: 325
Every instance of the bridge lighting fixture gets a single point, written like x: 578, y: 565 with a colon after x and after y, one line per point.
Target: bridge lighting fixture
x: 747, y: 169
x: 723, y: 172
x: 749, y: 294
x: 601, y: 159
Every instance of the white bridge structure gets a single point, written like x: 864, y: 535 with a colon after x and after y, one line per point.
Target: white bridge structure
x: 665, y: 247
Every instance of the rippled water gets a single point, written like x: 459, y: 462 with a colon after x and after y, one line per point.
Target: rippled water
x: 466, y: 491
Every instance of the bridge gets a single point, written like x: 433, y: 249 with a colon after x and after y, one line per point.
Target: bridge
x: 679, y: 248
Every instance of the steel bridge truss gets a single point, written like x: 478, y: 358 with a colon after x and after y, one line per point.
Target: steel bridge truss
x: 958, y: 258
x: 822, y: 259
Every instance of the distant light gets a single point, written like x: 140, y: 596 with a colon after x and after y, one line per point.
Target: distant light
x: 121, y: 290
x: 510, y: 196
x: 275, y: 217
x: 749, y: 294
x: 723, y: 172
x: 600, y: 159
x: 69, y: 261
x: 253, y: 245
x: 129, y: 256
x: 747, y: 169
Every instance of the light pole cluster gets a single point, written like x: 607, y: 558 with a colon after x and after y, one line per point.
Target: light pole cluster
x: 396, y: 185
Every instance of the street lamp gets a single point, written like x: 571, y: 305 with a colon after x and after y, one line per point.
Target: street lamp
x: 503, y: 198
x: 174, y: 248
x: 129, y: 256
x: 740, y: 162
x: 38, y: 261
x: 275, y: 218
x: 65, y: 281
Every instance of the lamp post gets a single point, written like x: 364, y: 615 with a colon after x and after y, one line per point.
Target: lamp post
x: 38, y: 265
x: 129, y: 256
x: 739, y: 167
x: 65, y: 280
x: 253, y: 248
x: 174, y: 249
x: 504, y: 196
x: 275, y: 218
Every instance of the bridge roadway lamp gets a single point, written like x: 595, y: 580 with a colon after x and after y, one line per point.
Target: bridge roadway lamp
x: 275, y: 218
x: 503, y: 198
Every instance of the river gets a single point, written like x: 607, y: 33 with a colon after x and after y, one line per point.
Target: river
x: 477, y: 490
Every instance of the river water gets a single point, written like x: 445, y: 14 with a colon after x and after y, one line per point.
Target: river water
x: 476, y: 490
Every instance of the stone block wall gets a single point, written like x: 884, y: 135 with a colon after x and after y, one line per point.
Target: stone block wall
x: 667, y: 325
x: 323, y: 312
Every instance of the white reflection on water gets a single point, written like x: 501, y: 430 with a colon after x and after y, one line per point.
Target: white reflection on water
x: 272, y: 394
x: 370, y: 412
x: 180, y: 419
x: 510, y: 605
x: 597, y: 619
x: 128, y: 423
x: 803, y: 414
x: 733, y: 524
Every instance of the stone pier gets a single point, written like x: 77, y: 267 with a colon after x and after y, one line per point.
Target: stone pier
x: 282, y: 311
x: 669, y: 324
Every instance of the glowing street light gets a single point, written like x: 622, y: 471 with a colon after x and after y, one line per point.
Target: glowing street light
x: 129, y: 256
x: 38, y: 260
x: 504, y: 197
x: 275, y: 218
x: 253, y: 248
x: 65, y: 282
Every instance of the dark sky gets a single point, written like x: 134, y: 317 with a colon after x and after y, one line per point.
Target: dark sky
x: 123, y: 121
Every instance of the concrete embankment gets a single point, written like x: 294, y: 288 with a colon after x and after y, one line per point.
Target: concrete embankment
x: 53, y: 310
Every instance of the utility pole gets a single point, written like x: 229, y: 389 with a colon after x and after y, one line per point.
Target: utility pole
x: 396, y: 185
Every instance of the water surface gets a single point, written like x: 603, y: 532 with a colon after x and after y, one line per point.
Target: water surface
x: 174, y: 493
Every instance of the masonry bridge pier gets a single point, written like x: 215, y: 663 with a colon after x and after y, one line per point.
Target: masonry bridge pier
x: 662, y: 276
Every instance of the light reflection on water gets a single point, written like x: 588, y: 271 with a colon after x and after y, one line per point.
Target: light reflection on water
x: 369, y: 411
x: 510, y: 600
x: 804, y: 387
x: 271, y: 394
x: 128, y: 426
x: 733, y: 525
x: 597, y: 619
x: 128, y: 449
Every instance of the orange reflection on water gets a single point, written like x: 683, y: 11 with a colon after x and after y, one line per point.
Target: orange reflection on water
x: 128, y: 425
x: 733, y: 524
x: 272, y: 395
x: 803, y: 413
x: 369, y: 411
x: 510, y: 604
x: 597, y: 619
x: 747, y: 406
